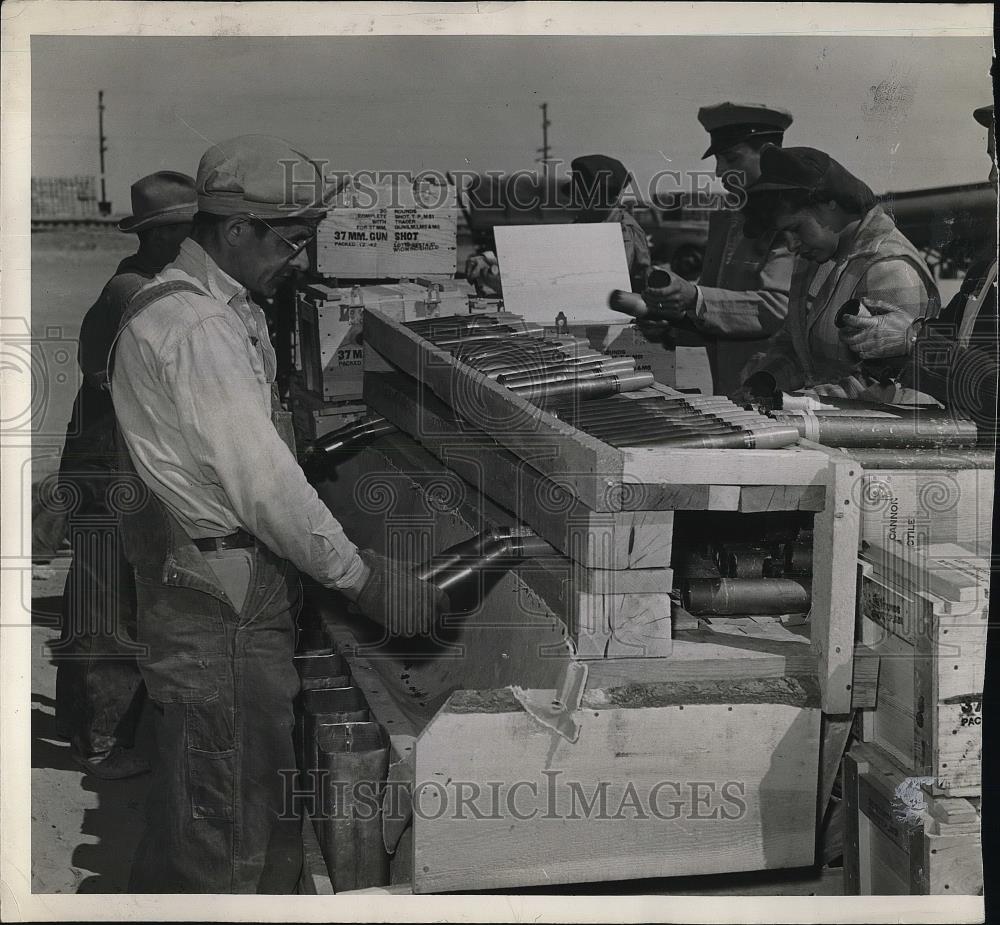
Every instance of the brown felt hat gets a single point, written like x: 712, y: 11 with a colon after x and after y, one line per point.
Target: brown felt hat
x: 163, y: 198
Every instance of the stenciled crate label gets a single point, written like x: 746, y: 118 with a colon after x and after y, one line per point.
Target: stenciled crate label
x: 390, y: 230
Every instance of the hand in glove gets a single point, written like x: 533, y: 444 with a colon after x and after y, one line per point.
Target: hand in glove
x: 882, y: 331
x: 395, y: 598
x: 483, y: 270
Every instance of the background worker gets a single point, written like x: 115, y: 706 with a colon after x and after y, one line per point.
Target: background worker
x: 596, y: 185
x: 97, y: 680
x: 954, y: 357
x: 228, y: 520
x: 741, y: 297
x: 848, y: 249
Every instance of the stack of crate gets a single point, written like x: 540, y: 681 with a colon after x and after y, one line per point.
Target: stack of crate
x: 924, y: 611
x: 329, y: 352
x: 63, y: 197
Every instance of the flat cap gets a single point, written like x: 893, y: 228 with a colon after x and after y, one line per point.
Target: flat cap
x: 730, y: 123
x: 261, y: 174
x: 600, y: 173
x: 984, y: 115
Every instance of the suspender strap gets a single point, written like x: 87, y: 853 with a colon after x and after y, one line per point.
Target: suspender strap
x: 143, y: 299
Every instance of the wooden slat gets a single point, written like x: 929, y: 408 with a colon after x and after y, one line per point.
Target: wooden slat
x: 791, y: 466
x: 546, y: 443
x: 835, y: 585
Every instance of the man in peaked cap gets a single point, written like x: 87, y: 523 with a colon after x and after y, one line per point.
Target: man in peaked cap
x: 226, y: 521
x: 741, y: 297
x: 98, y: 686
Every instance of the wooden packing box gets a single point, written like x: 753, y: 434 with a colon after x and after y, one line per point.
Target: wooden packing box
x: 705, y: 760
x: 610, y: 508
x: 926, y: 507
x: 329, y: 323
x: 926, y: 616
x: 900, y: 838
x: 389, y: 230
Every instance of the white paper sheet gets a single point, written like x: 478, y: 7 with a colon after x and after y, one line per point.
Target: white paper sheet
x: 548, y: 269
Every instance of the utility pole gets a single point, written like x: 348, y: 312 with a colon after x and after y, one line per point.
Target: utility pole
x: 544, y: 149
x: 103, y: 205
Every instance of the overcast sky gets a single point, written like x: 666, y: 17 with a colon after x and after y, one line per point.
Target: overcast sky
x: 896, y: 111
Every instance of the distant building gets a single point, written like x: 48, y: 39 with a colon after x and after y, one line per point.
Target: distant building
x: 64, y: 197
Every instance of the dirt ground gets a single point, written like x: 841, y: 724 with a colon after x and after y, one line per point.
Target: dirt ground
x: 83, y: 831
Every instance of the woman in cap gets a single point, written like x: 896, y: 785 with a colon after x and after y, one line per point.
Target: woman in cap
x: 850, y: 253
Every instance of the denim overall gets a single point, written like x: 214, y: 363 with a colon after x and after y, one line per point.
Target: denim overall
x: 220, y: 818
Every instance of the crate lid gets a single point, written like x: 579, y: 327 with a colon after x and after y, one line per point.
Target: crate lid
x: 948, y: 570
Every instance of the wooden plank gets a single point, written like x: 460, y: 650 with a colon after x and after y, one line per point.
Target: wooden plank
x: 609, y: 540
x: 679, y: 738
x: 834, y: 733
x: 790, y: 466
x: 857, y: 841
x: 589, y: 465
x: 704, y: 655
x: 607, y: 613
x: 835, y: 585
x: 755, y: 498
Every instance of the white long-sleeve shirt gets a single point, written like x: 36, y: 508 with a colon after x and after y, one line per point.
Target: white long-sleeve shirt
x: 192, y: 392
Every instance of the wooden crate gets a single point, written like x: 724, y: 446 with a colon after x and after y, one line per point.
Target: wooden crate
x: 900, y: 838
x: 655, y: 764
x: 599, y: 504
x: 926, y: 616
x: 927, y: 507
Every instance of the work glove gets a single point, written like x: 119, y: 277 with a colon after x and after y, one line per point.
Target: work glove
x: 483, y: 271
x: 878, y: 330
x: 395, y: 598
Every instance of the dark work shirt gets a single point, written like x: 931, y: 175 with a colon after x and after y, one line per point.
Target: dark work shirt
x: 90, y: 436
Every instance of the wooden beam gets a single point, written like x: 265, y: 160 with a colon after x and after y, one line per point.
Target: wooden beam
x: 834, y: 733
x: 835, y: 584
x: 791, y: 466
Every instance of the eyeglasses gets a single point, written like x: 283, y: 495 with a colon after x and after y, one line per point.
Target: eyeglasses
x: 295, y: 248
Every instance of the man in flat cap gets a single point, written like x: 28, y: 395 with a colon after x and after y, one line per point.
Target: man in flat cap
x: 741, y: 297
x: 97, y: 679
x: 227, y: 520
